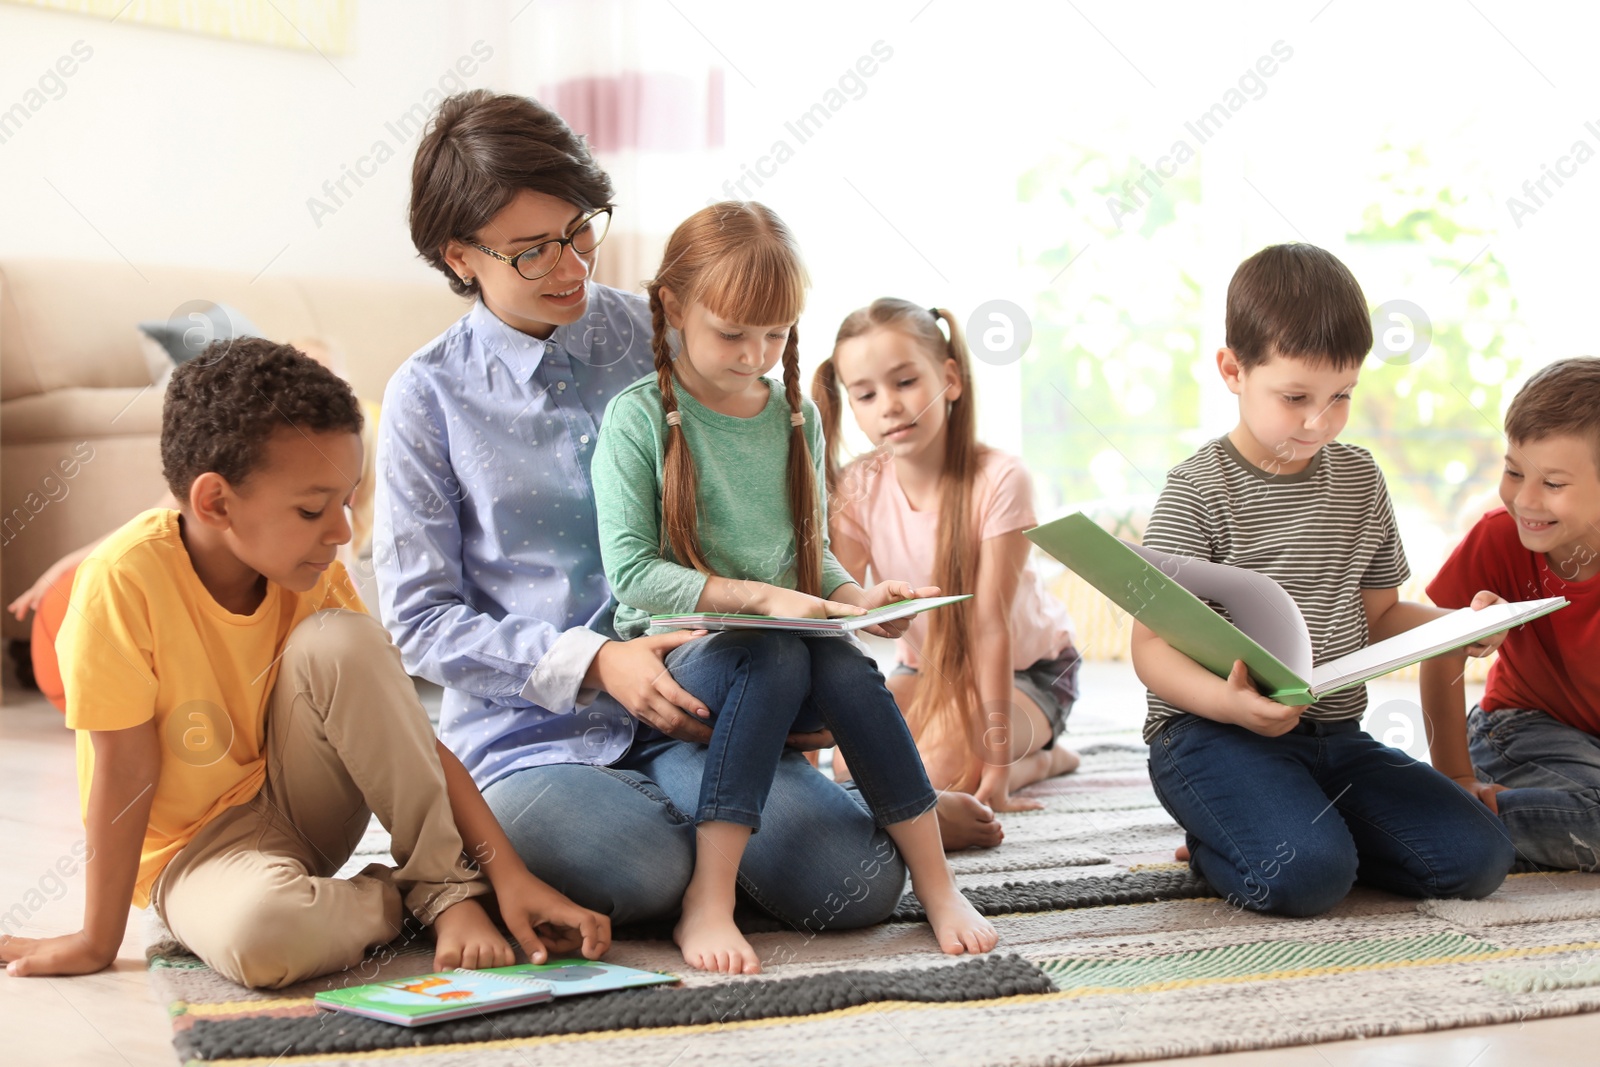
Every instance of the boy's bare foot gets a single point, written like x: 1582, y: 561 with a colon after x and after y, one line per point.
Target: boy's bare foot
x: 956, y: 924
x: 967, y: 822
x: 465, y: 936
x: 1181, y: 854
x: 710, y: 939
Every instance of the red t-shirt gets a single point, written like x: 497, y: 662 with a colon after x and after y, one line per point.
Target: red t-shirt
x: 1553, y: 663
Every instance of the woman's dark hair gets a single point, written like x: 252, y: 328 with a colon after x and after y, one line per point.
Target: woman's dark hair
x: 224, y: 405
x: 479, y: 150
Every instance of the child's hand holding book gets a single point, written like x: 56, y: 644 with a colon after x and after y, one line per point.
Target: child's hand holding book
x: 881, y: 596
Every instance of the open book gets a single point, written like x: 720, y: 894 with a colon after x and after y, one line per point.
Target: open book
x: 1164, y: 590
x: 437, y: 998
x: 803, y: 627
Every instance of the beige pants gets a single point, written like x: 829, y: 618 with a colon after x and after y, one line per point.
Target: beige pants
x: 253, y: 894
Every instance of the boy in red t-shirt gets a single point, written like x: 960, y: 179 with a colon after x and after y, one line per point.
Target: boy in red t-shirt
x: 1534, y: 749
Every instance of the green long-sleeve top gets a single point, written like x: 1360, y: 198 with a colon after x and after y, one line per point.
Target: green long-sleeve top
x: 744, y: 524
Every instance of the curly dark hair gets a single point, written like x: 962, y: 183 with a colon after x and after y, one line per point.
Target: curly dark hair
x: 223, y: 406
x: 478, y: 151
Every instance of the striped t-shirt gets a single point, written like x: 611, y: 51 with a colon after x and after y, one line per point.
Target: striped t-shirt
x: 1323, y: 533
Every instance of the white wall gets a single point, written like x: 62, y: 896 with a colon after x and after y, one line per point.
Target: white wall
x: 183, y: 148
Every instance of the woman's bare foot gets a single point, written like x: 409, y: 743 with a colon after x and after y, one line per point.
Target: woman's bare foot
x: 967, y: 822
x: 956, y: 924
x: 465, y: 936
x: 710, y: 939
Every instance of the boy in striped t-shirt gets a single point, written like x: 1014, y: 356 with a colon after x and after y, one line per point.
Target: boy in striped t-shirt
x: 1285, y: 807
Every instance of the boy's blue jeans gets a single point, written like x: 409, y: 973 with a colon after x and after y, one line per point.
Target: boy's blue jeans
x: 761, y: 685
x: 1287, y: 824
x: 1551, y: 772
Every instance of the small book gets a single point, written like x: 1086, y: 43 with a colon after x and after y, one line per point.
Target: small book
x: 1167, y: 592
x: 570, y: 978
x: 803, y: 627
x: 437, y: 998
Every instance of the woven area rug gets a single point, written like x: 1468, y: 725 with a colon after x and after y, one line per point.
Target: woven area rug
x: 1104, y: 957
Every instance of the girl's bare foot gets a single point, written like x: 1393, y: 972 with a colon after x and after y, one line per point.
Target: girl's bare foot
x: 710, y: 939
x: 956, y: 924
x: 1062, y: 761
x: 967, y: 822
x: 465, y: 936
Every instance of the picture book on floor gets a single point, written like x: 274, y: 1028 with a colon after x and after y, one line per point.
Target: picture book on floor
x: 435, y: 998
x: 1167, y: 592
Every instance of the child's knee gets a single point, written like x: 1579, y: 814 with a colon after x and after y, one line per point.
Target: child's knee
x: 339, y: 634
x: 1301, y: 885
x: 1481, y: 865
x: 271, y: 943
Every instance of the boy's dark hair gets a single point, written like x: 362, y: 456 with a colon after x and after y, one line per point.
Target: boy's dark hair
x: 477, y: 153
x: 1299, y: 301
x: 1563, y: 398
x: 224, y: 404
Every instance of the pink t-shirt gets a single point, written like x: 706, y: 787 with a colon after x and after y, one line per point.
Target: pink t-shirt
x: 872, y: 508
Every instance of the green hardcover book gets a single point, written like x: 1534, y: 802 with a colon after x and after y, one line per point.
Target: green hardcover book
x: 1168, y: 592
x: 803, y: 627
x: 570, y: 978
x: 436, y: 998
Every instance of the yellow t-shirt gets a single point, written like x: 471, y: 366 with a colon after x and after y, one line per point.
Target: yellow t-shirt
x: 145, y: 640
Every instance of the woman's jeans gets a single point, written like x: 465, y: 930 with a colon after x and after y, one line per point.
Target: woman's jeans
x: 1287, y: 824
x: 620, y: 839
x: 1551, y: 772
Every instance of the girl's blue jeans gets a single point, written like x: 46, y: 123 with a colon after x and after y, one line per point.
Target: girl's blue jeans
x: 761, y: 685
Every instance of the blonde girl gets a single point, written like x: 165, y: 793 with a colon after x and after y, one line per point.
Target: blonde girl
x: 985, y: 684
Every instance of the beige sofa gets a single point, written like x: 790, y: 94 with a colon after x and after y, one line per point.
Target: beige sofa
x: 79, y: 420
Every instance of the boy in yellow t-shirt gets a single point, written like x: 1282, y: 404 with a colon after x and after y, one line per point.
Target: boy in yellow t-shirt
x: 240, y: 716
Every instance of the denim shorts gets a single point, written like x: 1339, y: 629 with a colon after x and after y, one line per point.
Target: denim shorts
x: 1050, y: 683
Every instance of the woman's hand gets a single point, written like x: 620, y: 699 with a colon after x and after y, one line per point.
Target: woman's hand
x: 543, y: 920
x: 635, y: 674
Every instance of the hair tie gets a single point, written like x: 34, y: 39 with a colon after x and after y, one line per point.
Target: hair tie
x: 797, y: 418
x: 674, y: 418
x: 935, y: 313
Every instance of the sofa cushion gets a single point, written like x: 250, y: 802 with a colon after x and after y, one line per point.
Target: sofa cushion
x: 185, y: 333
x: 83, y: 414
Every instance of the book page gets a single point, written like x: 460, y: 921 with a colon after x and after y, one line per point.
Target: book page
x: 1259, y: 606
x: 803, y: 626
x: 1455, y: 630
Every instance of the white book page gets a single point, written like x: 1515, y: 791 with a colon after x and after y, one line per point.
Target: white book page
x: 896, y: 611
x: 1259, y: 606
x: 1455, y: 630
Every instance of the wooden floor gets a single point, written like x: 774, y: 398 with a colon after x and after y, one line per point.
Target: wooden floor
x: 110, y: 1018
